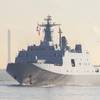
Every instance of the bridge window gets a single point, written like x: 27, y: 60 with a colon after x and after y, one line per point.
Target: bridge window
x: 73, y: 62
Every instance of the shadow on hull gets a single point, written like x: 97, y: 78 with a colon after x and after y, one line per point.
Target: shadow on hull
x: 29, y: 74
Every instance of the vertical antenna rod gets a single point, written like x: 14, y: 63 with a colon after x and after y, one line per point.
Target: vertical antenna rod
x: 60, y: 40
x: 9, y: 46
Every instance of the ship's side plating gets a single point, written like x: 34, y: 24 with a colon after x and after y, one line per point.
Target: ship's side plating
x: 30, y: 74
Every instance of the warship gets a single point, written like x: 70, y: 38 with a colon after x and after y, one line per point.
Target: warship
x: 52, y: 63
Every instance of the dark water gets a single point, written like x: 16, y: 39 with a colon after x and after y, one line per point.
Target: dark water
x: 10, y: 90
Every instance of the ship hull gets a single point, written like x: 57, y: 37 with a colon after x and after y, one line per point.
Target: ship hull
x: 30, y: 74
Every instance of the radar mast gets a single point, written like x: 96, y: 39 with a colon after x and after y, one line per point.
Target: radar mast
x: 47, y: 28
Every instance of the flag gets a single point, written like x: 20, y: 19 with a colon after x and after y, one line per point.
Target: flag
x: 38, y: 29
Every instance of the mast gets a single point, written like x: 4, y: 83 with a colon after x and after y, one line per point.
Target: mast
x: 47, y: 28
x: 9, y: 46
x: 60, y: 40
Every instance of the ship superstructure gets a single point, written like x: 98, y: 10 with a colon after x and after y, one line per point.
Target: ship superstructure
x: 46, y: 51
x: 50, y: 63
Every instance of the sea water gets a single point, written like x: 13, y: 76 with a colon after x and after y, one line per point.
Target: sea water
x: 11, y: 90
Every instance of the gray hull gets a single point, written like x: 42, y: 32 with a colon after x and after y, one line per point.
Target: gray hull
x: 30, y: 74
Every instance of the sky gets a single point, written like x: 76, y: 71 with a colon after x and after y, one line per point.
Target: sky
x: 80, y: 21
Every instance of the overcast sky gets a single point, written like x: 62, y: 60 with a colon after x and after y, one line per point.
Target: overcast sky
x: 80, y: 21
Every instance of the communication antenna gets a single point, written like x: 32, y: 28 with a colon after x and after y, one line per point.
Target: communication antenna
x: 60, y: 40
x: 9, y: 46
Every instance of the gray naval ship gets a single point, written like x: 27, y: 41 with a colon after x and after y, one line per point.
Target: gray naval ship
x: 53, y: 64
